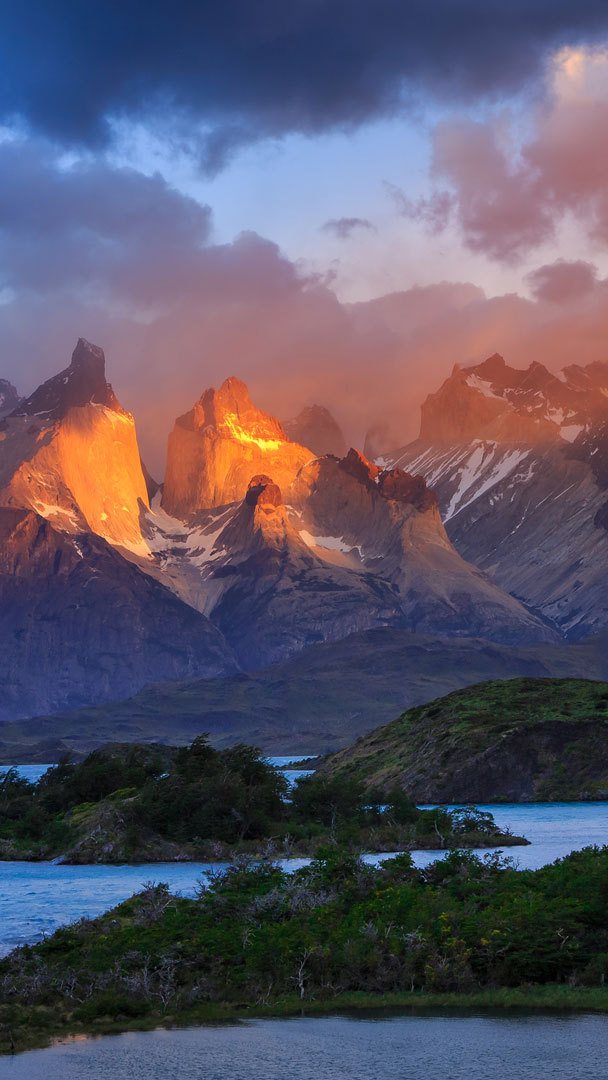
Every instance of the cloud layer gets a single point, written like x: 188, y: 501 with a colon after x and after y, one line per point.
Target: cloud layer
x: 128, y: 262
x: 242, y: 71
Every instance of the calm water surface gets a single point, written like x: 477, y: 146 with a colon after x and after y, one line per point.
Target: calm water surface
x: 430, y: 1047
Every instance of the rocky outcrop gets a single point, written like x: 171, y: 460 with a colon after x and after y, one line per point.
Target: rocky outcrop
x: 217, y: 447
x: 79, y: 624
x: 69, y: 452
x: 82, y: 383
x: 315, y: 427
x: 387, y: 522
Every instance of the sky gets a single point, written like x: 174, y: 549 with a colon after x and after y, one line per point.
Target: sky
x: 336, y: 201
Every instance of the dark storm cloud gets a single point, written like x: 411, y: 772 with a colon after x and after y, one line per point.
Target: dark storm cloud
x: 91, y: 226
x: 343, y: 227
x: 246, y: 70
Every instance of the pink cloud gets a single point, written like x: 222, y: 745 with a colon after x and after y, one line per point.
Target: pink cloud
x: 562, y: 281
x: 510, y: 197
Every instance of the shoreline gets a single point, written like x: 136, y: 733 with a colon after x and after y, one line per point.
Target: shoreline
x: 508, y: 840
x: 545, y: 998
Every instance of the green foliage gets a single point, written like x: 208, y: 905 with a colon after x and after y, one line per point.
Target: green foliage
x: 555, y: 730
x: 228, y: 795
x: 258, y: 936
x: 210, y: 803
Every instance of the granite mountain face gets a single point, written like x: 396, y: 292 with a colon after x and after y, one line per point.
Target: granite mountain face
x: 217, y: 447
x: 69, y: 453
x: 315, y: 427
x: 257, y: 547
x: 518, y: 460
x: 79, y: 623
x: 78, y: 619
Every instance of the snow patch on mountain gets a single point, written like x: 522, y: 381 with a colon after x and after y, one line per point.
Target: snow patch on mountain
x: 331, y: 543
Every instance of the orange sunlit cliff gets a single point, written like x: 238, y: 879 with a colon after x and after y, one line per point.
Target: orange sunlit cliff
x: 216, y: 448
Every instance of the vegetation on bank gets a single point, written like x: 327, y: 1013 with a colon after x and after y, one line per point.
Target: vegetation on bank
x: 134, y: 803
x: 521, y: 740
x: 259, y: 941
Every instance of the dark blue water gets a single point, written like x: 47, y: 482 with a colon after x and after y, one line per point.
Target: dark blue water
x: 430, y: 1047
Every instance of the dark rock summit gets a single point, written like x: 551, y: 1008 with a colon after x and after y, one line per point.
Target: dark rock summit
x: 263, y: 491
x: 316, y: 428
x: 82, y: 383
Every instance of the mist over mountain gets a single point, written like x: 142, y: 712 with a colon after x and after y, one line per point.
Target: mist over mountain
x: 257, y: 547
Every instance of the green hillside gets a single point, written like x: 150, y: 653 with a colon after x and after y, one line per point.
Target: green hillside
x: 521, y: 740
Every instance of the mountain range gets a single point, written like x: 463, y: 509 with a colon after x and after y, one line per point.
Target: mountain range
x: 518, y: 460
x: 270, y: 538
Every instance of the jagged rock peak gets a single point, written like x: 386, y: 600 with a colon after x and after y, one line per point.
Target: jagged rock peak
x: 82, y: 383
x: 316, y: 428
x: 217, y: 447
x: 492, y: 368
x: 357, y: 465
x: 392, y: 484
x: 232, y: 413
x: 403, y: 487
x: 9, y: 398
x: 495, y: 402
x: 263, y: 491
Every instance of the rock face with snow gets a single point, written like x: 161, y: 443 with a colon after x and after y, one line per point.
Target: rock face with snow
x: 217, y: 447
x: 493, y: 401
x: 271, y: 595
x: 315, y: 427
x: 387, y: 521
x: 79, y: 624
x: 254, y: 549
x: 519, y: 462
x: 355, y: 547
x: 69, y: 452
x: 9, y: 398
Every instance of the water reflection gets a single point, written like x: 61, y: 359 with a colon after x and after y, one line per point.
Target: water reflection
x: 434, y: 1046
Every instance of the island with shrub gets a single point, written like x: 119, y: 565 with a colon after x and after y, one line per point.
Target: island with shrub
x: 334, y: 935
x: 152, y: 803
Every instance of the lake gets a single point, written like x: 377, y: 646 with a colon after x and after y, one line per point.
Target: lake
x: 433, y: 1046
x: 36, y: 898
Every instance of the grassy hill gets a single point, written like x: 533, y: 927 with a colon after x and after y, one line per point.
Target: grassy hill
x: 316, y: 702
x: 522, y: 740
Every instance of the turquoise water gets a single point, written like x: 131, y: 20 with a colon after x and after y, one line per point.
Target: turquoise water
x: 34, y: 772
x: 437, y: 1046
x: 30, y: 772
x: 36, y: 898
